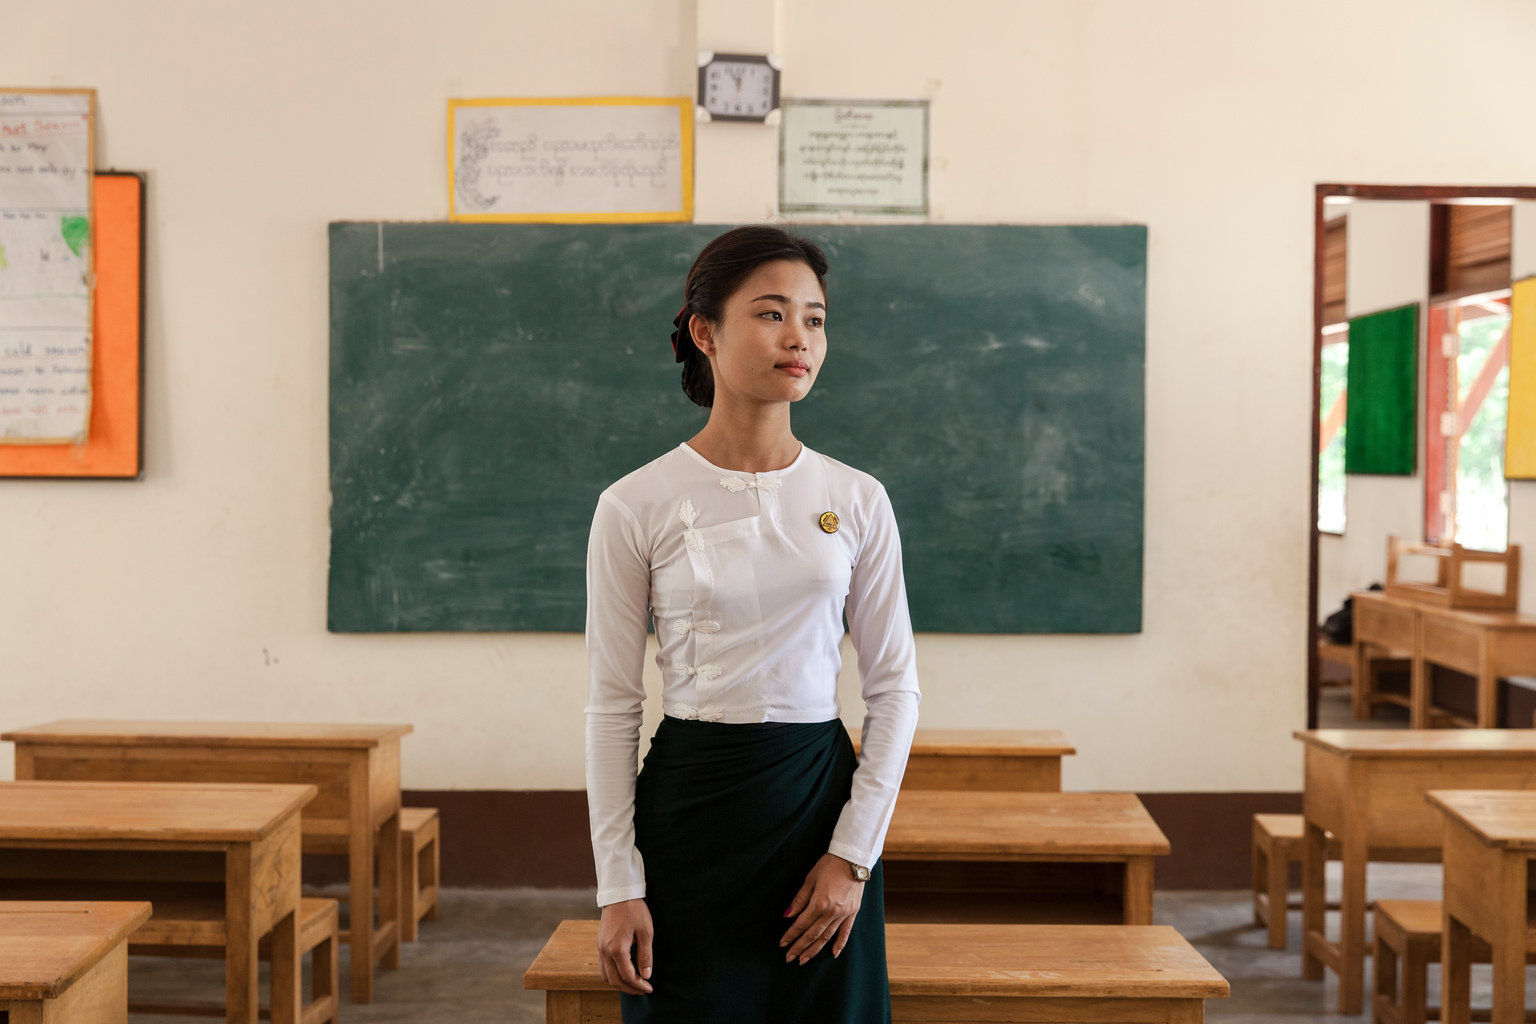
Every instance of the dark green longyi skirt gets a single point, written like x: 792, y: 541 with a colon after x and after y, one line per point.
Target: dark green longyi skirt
x: 730, y: 819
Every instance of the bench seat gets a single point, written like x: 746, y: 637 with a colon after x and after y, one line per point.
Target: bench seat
x: 420, y: 868
x: 1277, y: 844
x: 938, y: 972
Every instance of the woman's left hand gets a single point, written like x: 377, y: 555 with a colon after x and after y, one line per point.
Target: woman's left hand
x: 826, y: 904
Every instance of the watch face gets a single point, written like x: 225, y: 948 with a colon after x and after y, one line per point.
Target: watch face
x: 738, y: 89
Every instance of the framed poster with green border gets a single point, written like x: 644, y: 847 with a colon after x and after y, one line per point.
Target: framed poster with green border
x: 854, y: 156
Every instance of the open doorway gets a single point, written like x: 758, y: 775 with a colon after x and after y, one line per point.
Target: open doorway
x: 1421, y: 276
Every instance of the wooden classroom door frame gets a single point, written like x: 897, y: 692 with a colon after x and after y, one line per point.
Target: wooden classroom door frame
x: 1432, y: 193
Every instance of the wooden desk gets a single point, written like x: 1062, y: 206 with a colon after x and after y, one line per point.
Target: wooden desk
x: 939, y: 972
x: 1013, y: 760
x: 127, y: 837
x: 66, y: 963
x: 959, y: 855
x: 1485, y: 645
x: 1490, y: 837
x: 1384, y: 628
x: 1367, y: 787
x: 356, y: 769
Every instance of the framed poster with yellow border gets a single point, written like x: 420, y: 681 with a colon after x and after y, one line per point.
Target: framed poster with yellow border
x: 605, y: 159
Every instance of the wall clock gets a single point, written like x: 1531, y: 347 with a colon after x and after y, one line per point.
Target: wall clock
x: 738, y: 87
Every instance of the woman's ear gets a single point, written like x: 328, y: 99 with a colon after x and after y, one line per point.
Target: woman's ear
x: 703, y: 334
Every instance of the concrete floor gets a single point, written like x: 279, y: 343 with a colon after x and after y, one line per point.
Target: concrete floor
x: 1333, y: 712
x: 467, y: 967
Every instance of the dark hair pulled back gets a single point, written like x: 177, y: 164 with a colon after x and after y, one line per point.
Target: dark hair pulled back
x: 719, y: 271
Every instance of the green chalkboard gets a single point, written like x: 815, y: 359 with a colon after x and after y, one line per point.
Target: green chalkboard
x: 488, y: 381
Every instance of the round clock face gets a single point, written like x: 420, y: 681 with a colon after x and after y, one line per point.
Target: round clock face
x: 738, y: 89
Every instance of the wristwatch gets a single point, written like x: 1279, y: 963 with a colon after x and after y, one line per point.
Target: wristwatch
x: 860, y: 872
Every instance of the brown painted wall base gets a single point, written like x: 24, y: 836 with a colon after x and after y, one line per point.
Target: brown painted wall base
x: 1211, y: 835
x: 506, y: 839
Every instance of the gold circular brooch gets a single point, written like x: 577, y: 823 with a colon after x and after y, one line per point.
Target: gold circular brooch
x: 829, y: 522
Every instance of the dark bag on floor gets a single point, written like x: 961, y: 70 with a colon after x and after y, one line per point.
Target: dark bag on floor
x: 1339, y: 627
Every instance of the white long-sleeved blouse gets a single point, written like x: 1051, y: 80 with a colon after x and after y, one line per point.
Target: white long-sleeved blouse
x: 748, y: 592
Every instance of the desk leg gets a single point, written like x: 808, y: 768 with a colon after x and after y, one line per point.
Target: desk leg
x: 1360, y: 683
x: 361, y: 853
x: 1455, y: 972
x: 1352, y: 920
x: 241, y: 942
x: 1314, y: 860
x: 1509, y: 944
x: 1418, y: 693
x: 389, y: 889
x: 287, y: 971
x: 1487, y: 692
x: 1137, y: 900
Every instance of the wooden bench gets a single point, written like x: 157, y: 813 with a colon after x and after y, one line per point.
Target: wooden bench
x: 66, y: 963
x: 944, y: 972
x: 420, y: 860
x: 1449, y: 588
x: 1409, y: 934
x: 199, y: 933
x: 1278, y: 840
x: 1013, y: 760
x: 1341, y: 657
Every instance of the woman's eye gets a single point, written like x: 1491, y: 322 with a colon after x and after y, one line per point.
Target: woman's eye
x: 815, y: 321
x: 775, y: 314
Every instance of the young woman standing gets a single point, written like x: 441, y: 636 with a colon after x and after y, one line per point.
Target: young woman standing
x: 739, y: 875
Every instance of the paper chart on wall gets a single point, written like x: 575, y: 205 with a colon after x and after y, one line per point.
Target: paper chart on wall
x: 616, y: 159
x: 861, y: 156
x: 46, y: 157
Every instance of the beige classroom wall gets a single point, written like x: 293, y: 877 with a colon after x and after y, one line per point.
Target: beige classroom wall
x: 200, y: 592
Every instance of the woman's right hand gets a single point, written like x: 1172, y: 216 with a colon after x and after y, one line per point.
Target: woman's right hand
x: 626, y: 926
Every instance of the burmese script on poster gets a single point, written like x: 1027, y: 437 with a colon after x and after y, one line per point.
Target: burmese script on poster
x: 864, y: 156
x: 45, y: 267
x: 623, y: 160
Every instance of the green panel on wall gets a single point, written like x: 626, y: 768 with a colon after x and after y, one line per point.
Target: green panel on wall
x: 489, y: 380
x: 1381, y: 416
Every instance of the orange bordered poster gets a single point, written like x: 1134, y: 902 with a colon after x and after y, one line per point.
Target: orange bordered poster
x: 115, y: 445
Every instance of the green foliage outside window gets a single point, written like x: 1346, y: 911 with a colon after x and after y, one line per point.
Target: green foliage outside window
x: 1330, y: 466
x: 1482, y: 495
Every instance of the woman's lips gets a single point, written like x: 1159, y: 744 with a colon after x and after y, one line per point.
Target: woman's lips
x: 795, y: 369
